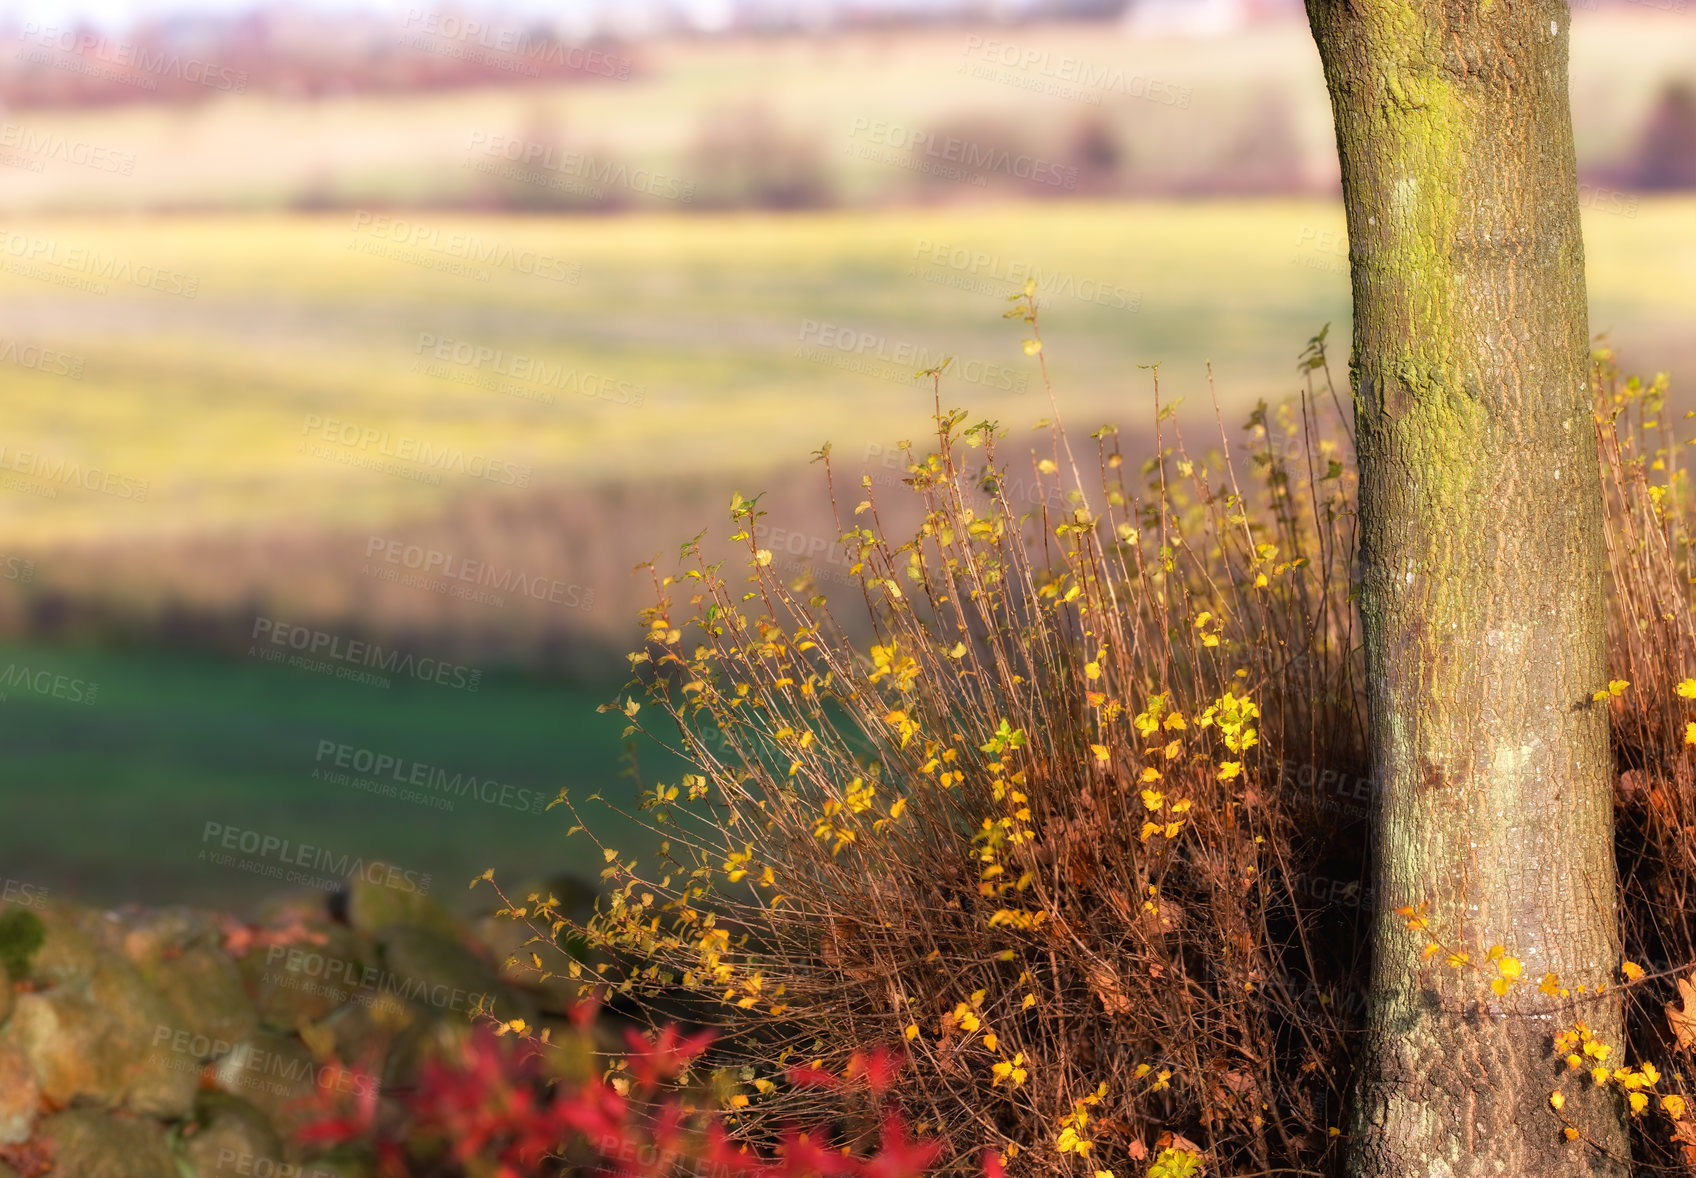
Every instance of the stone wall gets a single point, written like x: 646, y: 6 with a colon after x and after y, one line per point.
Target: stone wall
x: 177, y: 1043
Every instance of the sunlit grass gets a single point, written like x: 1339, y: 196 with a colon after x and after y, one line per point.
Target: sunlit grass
x: 206, y: 399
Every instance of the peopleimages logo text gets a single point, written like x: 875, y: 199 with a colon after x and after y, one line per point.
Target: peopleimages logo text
x: 160, y: 63
x: 970, y: 156
x: 548, y: 374
x: 434, y: 562
x: 609, y: 173
x: 48, y: 145
x: 405, y: 771
x: 321, y: 644
x: 81, y: 259
x: 1049, y: 284
x: 831, y: 339
x: 534, y: 49
x: 463, y: 246
x: 334, y: 864
x: 452, y: 459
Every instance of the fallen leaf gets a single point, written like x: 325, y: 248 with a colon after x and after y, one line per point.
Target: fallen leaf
x: 1683, y: 1021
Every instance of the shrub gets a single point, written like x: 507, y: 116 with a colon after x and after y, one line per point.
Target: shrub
x: 494, y: 1111
x: 1084, y: 826
x: 1035, y: 832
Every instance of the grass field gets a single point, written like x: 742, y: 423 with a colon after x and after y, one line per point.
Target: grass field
x: 719, y: 325
x: 110, y: 800
x: 719, y: 322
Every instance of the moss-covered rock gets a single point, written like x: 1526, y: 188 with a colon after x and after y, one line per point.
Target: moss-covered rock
x: 277, y: 1075
x: 89, y: 1143
x: 206, y: 990
x: 21, y: 937
x: 231, y: 1137
x: 302, y: 982
x: 378, y: 899
x: 441, y: 974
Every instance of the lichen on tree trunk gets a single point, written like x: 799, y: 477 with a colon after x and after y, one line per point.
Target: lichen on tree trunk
x: 1483, y: 580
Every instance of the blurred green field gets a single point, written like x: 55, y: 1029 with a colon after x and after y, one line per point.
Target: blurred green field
x: 109, y: 801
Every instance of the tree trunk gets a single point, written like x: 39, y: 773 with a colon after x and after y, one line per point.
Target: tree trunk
x: 1483, y: 583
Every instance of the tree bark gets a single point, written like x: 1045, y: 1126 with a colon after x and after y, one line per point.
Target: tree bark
x: 1483, y: 581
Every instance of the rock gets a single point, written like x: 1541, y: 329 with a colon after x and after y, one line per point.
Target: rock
x: 88, y: 1143
x: 20, y: 1096
x: 75, y: 941
x: 234, y: 1138
x: 381, y: 896
x: 362, y: 1031
x: 109, y: 1040
x: 278, y: 1076
x: 442, y: 975
x: 149, y: 939
x: 304, y: 981
x: 205, y: 988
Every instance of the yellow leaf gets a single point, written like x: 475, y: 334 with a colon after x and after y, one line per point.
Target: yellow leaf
x: 1673, y: 1106
x: 1571, y: 1133
x: 1153, y: 799
x: 1151, y: 774
x: 1687, y: 689
x: 1510, y: 968
x: 1229, y: 769
x: 1639, y: 1102
x: 1631, y: 970
x: 912, y: 1031
x: 1557, y: 1099
x: 1500, y: 985
x: 1032, y: 347
x: 1102, y: 753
